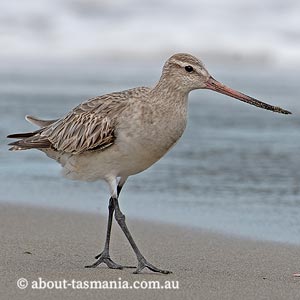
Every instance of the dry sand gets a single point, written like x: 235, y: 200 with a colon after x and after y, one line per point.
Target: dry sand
x: 55, y: 245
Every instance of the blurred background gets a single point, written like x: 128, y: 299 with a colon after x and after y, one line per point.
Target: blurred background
x: 236, y: 169
x: 68, y: 30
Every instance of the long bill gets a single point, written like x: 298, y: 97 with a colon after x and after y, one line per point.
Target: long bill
x: 215, y: 85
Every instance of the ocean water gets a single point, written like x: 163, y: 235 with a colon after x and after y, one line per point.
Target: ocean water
x: 253, y: 31
x: 235, y: 170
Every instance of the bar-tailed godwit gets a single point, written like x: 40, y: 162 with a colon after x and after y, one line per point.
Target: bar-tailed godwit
x: 114, y: 136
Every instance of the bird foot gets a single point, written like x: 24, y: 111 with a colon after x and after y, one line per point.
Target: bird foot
x: 143, y: 263
x: 105, y: 258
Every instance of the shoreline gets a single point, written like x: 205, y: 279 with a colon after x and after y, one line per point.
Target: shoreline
x: 53, y: 245
x: 103, y: 213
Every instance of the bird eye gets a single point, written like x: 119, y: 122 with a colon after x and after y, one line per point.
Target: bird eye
x: 189, y: 69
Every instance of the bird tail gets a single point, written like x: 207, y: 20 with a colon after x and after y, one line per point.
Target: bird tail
x: 39, y: 122
x: 27, y: 139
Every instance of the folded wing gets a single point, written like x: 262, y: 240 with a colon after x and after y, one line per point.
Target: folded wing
x: 90, y: 126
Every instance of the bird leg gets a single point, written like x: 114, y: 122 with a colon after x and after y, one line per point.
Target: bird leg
x: 142, y: 262
x: 104, y: 256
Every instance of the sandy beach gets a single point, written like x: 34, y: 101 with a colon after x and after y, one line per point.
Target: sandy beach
x: 55, y: 245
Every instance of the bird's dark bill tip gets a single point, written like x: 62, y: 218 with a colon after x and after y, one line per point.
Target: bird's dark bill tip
x: 215, y: 85
x: 282, y: 111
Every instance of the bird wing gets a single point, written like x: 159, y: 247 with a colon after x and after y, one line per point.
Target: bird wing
x: 89, y: 126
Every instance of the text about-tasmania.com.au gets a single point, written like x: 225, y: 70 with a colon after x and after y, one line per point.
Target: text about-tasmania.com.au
x: 64, y: 284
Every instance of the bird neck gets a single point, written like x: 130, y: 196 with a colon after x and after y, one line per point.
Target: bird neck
x: 168, y: 91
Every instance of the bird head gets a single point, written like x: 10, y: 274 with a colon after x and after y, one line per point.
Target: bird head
x: 185, y: 72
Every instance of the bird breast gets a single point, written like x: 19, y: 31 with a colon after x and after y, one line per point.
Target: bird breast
x: 150, y: 131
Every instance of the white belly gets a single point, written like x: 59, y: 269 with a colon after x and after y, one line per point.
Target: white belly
x: 126, y: 157
x: 115, y: 161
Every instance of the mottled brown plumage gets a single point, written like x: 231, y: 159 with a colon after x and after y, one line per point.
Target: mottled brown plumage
x: 88, y: 127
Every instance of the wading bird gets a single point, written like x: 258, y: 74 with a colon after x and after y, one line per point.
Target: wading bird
x: 114, y: 136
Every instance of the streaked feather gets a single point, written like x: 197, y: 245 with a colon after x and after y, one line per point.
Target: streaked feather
x: 89, y: 126
x: 39, y: 122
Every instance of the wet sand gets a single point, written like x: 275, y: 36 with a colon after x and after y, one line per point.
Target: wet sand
x: 55, y: 245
